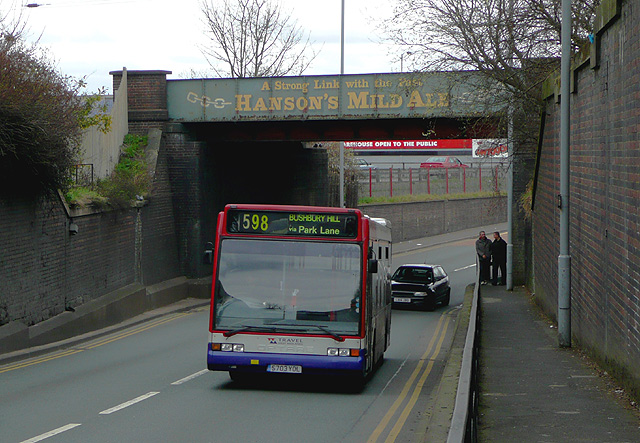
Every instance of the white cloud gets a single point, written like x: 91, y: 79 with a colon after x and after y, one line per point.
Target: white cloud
x: 92, y: 37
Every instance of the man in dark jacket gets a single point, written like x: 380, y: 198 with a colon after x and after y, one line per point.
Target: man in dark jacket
x: 483, y: 249
x: 499, y: 257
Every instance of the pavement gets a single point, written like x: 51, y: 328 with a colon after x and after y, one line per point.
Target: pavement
x: 531, y: 390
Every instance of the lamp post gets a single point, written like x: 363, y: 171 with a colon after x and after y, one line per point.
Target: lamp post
x: 564, y: 257
x: 341, y: 73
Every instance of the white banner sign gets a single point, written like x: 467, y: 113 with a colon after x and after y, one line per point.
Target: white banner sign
x: 489, y: 148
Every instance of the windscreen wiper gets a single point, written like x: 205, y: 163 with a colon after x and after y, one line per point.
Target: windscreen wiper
x: 247, y: 329
x: 335, y: 336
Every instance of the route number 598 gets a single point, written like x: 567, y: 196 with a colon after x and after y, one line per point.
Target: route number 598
x: 255, y: 222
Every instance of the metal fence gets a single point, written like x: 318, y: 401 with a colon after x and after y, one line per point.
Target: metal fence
x: 440, y: 181
x: 82, y: 175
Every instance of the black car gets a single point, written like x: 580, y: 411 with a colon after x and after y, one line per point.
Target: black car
x: 421, y: 286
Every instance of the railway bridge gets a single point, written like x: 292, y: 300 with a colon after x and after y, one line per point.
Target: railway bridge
x: 252, y: 139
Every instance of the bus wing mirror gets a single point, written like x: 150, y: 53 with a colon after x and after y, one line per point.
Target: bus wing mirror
x: 208, y: 253
x: 373, y: 266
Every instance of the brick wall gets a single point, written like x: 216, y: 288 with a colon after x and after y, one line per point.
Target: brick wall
x: 44, y: 269
x: 521, y: 237
x: 147, y: 99
x: 159, y: 257
x: 604, y: 197
x: 147, y: 103
x: 183, y: 154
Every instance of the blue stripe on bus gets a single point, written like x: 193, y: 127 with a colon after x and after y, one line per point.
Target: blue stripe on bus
x: 222, y: 361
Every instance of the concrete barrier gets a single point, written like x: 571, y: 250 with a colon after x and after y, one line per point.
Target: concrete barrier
x: 464, y: 427
x: 425, y: 219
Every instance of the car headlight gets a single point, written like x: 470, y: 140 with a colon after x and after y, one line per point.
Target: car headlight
x: 420, y: 294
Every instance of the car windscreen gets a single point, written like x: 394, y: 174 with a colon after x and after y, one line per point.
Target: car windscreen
x: 289, y: 286
x: 413, y: 275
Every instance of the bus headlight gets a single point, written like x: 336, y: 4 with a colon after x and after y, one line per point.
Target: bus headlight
x: 227, y: 347
x: 343, y: 352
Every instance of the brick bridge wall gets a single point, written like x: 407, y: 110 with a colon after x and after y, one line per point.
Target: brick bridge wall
x: 45, y: 269
x: 604, y: 197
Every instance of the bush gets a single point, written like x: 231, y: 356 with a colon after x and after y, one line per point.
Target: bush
x: 129, y: 181
x: 39, y: 111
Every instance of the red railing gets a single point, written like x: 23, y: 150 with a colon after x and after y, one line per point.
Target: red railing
x: 410, y: 181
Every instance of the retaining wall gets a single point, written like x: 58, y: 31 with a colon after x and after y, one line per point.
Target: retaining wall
x: 424, y: 219
x: 604, y: 196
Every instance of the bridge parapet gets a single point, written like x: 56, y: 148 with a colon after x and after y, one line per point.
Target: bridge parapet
x: 147, y: 98
x: 345, y: 97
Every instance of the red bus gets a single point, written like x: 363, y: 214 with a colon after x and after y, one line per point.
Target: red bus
x: 299, y: 290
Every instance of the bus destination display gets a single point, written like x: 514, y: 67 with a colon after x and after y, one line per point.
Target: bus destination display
x: 302, y: 224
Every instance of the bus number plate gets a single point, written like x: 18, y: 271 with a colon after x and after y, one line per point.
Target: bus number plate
x: 286, y: 369
x: 401, y: 300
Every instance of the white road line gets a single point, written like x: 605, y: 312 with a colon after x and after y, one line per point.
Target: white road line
x: 129, y: 403
x: 466, y: 267
x: 191, y: 377
x: 52, y: 433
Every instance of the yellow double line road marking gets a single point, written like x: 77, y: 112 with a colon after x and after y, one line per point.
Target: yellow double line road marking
x: 36, y: 361
x: 92, y: 345
x: 436, y: 340
x: 137, y: 330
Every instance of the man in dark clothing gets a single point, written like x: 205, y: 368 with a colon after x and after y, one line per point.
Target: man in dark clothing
x: 483, y: 249
x: 499, y: 257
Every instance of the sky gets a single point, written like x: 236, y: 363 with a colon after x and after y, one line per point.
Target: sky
x: 90, y: 38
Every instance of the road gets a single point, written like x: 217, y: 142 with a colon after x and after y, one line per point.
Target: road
x: 149, y: 383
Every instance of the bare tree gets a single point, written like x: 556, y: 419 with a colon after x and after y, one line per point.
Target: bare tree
x: 254, y: 38
x: 515, y: 43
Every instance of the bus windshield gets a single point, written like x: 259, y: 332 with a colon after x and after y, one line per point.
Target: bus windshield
x: 288, y: 286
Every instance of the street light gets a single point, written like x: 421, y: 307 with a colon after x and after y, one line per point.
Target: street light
x: 402, y: 59
x: 341, y: 74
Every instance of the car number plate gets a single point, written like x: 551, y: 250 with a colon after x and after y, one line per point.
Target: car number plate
x: 286, y: 369
x: 401, y: 300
